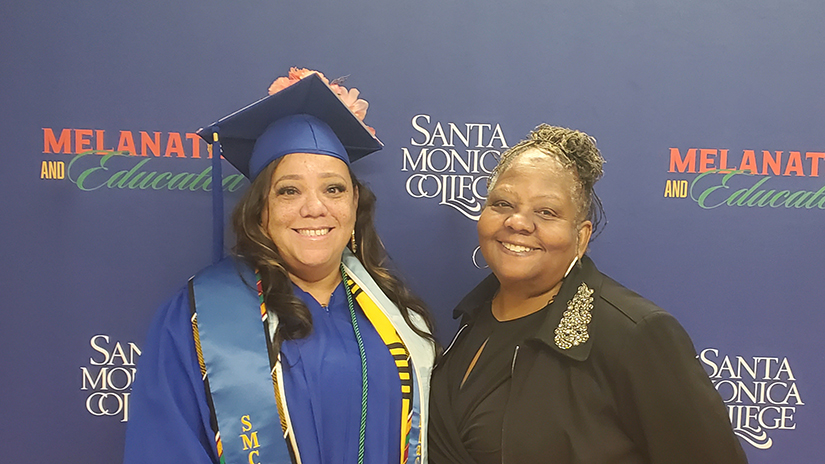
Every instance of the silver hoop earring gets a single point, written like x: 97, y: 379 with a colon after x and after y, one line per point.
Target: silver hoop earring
x: 570, y: 268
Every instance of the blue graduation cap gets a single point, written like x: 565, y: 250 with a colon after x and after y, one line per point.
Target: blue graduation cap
x: 306, y: 117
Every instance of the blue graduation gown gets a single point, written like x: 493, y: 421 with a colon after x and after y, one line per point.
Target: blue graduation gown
x: 169, y: 413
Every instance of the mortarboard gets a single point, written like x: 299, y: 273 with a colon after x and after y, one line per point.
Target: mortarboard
x: 306, y: 117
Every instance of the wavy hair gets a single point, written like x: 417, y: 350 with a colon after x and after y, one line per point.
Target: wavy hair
x: 255, y: 247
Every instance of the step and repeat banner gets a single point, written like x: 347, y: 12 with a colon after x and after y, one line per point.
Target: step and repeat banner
x: 710, y: 115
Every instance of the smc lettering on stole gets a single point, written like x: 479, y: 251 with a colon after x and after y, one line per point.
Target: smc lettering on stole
x: 249, y: 441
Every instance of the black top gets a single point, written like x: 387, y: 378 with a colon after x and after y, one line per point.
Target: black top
x: 479, y: 402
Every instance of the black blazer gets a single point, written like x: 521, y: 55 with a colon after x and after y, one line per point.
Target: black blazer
x: 633, y: 392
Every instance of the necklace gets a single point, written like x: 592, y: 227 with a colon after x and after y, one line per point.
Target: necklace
x: 364, y: 384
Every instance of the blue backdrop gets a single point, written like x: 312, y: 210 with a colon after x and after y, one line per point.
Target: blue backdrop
x: 673, y: 91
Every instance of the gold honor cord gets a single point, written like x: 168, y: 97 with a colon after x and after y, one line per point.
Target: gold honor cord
x: 213, y: 420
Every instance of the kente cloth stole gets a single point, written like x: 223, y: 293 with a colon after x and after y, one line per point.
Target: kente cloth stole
x: 402, y: 361
x: 250, y: 421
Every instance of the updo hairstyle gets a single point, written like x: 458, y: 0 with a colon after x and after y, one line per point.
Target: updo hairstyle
x: 576, y: 152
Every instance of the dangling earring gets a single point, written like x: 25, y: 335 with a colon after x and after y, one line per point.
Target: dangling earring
x: 576, y: 258
x: 353, y: 246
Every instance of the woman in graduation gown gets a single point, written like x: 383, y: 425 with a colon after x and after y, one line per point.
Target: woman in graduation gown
x: 301, y: 346
x: 556, y: 362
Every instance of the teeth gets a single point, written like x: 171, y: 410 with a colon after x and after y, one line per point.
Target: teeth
x: 516, y: 248
x: 313, y: 232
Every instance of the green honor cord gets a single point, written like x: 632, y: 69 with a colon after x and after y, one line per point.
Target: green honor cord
x: 364, y: 384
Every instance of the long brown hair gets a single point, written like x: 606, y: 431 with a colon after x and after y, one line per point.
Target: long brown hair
x: 255, y: 247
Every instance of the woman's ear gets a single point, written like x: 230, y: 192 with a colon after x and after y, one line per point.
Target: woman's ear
x: 583, y: 239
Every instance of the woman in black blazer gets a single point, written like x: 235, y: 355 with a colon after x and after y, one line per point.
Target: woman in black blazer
x: 555, y: 362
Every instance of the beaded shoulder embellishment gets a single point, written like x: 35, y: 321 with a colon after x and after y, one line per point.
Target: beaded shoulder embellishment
x: 572, y: 330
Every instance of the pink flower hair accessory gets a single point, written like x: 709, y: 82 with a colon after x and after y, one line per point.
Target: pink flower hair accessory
x: 350, y: 98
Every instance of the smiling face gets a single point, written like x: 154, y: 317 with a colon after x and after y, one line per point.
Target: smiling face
x: 310, y: 213
x: 530, y: 229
